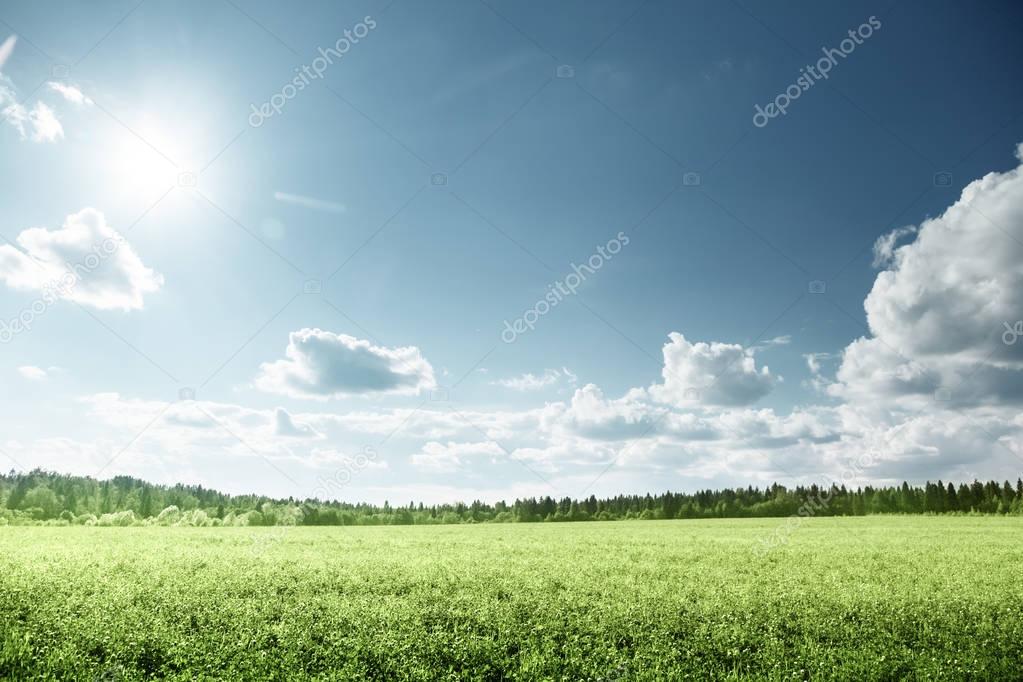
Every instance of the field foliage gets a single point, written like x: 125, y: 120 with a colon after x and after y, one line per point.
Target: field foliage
x: 844, y: 598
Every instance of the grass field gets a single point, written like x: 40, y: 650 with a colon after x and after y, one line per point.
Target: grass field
x: 847, y: 598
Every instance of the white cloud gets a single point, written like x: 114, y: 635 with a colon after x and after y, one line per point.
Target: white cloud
x: 451, y: 456
x: 884, y: 247
x: 85, y: 261
x: 45, y: 126
x: 72, y: 93
x: 321, y: 365
x: 783, y: 340
x: 710, y: 373
x: 937, y: 314
x: 817, y: 381
x: 38, y: 123
x: 176, y: 429
x: 310, y: 202
x: 32, y: 373
x: 343, y: 461
x: 533, y: 382
x: 591, y: 415
x: 286, y: 426
x: 561, y: 453
x: 6, y: 49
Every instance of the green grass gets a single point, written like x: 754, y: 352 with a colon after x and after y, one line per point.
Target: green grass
x: 846, y: 598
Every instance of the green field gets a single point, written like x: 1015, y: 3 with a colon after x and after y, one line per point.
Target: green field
x: 846, y: 598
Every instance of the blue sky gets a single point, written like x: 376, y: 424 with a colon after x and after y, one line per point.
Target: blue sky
x: 338, y: 277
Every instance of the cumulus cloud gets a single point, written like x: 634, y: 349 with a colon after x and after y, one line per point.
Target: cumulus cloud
x: 592, y: 415
x: 932, y: 392
x: 85, y: 261
x: 711, y: 373
x: 322, y: 365
x: 937, y: 313
x: 533, y: 382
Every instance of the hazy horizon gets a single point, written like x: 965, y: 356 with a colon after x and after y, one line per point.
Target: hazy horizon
x: 502, y: 250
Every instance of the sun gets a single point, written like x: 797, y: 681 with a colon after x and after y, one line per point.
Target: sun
x: 148, y: 158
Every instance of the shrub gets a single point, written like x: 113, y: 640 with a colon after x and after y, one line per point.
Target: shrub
x: 169, y: 516
x: 123, y: 518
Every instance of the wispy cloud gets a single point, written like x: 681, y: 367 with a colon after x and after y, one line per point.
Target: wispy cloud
x: 34, y: 373
x: 72, y: 93
x: 310, y: 202
x: 39, y: 123
x: 6, y: 49
x: 533, y: 382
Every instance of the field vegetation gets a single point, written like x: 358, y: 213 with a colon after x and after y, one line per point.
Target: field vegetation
x: 866, y: 598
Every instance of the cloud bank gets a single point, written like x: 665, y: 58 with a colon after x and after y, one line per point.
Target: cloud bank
x: 933, y: 391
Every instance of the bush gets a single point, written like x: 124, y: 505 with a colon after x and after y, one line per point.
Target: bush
x: 123, y: 518
x: 169, y: 516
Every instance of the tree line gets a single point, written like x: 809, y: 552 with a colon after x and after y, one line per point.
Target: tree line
x: 42, y: 497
